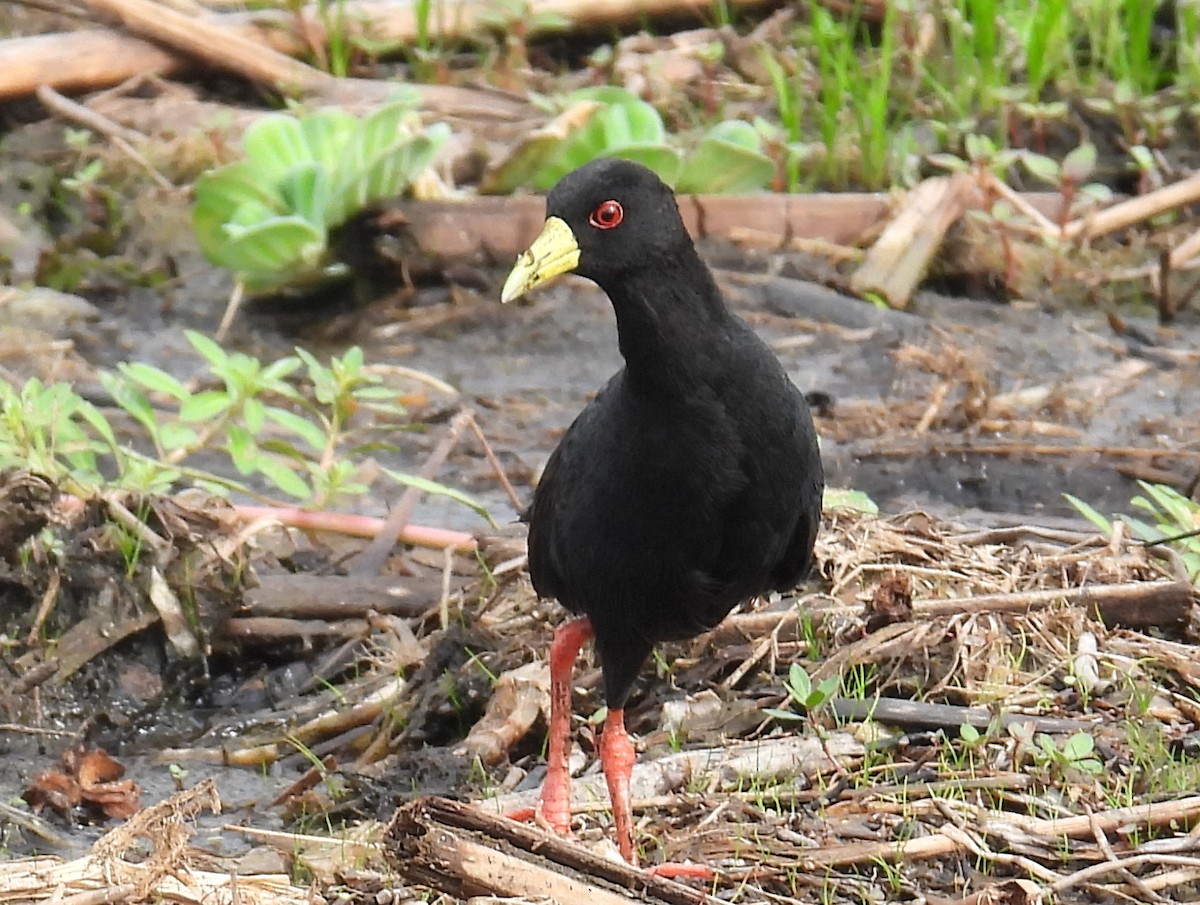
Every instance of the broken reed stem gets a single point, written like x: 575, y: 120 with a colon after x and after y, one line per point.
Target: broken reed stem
x: 507, y: 486
x: 359, y: 526
x: 1049, y: 833
x: 1158, y: 602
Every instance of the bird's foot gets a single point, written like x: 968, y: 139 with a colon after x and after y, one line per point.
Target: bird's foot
x: 537, y: 815
x: 553, y: 810
x: 674, y: 870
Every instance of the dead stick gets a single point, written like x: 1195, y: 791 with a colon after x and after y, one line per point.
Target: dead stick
x: 1107, y: 867
x: 949, y: 838
x: 308, y: 596
x: 465, y: 851
x: 85, y: 116
x: 309, y: 779
x: 898, y: 260
x: 1157, y: 813
x: 45, y: 607
x: 1114, y: 602
x: 1154, y: 601
x: 496, y: 466
x: 205, y: 39
x: 114, y: 893
x: 1182, y: 254
x: 359, y: 526
x: 372, y: 558
x: 92, y: 58
x: 1045, y: 228
x: 1135, y: 210
x: 928, y: 715
x: 275, y: 628
x: 1147, y: 894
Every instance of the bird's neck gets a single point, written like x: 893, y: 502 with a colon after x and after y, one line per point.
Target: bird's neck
x: 670, y: 319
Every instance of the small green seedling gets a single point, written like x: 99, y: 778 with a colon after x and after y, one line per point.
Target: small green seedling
x: 803, y: 696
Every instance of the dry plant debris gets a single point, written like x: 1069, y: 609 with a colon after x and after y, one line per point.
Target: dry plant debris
x: 87, y: 779
x: 1024, y: 633
x: 148, y: 859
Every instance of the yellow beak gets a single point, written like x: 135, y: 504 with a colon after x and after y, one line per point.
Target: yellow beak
x: 552, y: 253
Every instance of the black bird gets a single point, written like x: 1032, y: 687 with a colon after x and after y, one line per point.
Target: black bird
x: 691, y: 483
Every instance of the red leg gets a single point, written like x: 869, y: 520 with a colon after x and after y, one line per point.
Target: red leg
x: 616, y: 754
x: 554, y: 804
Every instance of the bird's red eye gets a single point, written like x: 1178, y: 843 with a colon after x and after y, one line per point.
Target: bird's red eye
x: 607, y: 215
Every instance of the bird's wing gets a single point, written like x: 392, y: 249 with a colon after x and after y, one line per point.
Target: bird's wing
x: 771, y: 523
x: 551, y: 493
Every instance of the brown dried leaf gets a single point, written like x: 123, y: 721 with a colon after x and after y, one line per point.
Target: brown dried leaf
x: 55, y: 790
x: 95, y: 767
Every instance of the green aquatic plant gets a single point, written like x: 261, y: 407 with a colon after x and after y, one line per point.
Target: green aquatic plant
x: 268, y: 217
x: 728, y: 157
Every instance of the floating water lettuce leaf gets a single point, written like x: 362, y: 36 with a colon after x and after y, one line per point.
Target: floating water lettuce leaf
x: 267, y: 217
x: 729, y: 159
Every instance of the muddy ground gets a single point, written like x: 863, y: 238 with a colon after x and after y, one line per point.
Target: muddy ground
x: 897, y: 396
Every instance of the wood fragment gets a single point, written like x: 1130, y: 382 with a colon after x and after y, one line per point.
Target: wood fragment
x: 358, y: 526
x: 519, y: 697
x: 926, y: 715
x: 93, y: 58
x: 309, y: 596
x: 1050, y: 832
x: 274, y: 629
x: 1134, y: 210
x: 1182, y: 255
x: 122, y: 139
x: 206, y: 39
x: 734, y: 766
x: 1134, y: 604
x: 900, y: 257
x: 464, y: 851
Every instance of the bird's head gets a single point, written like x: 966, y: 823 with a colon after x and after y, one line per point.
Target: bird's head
x: 603, y: 220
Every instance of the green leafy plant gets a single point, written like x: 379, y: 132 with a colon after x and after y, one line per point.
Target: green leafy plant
x: 515, y: 22
x: 296, y: 423
x: 267, y: 217
x: 856, y: 96
x: 803, y: 695
x: 1075, y: 755
x: 53, y: 431
x: 1176, y: 519
x: 846, y: 498
x: 728, y: 158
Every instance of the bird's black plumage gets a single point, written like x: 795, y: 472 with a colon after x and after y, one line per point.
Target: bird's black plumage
x: 693, y: 481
